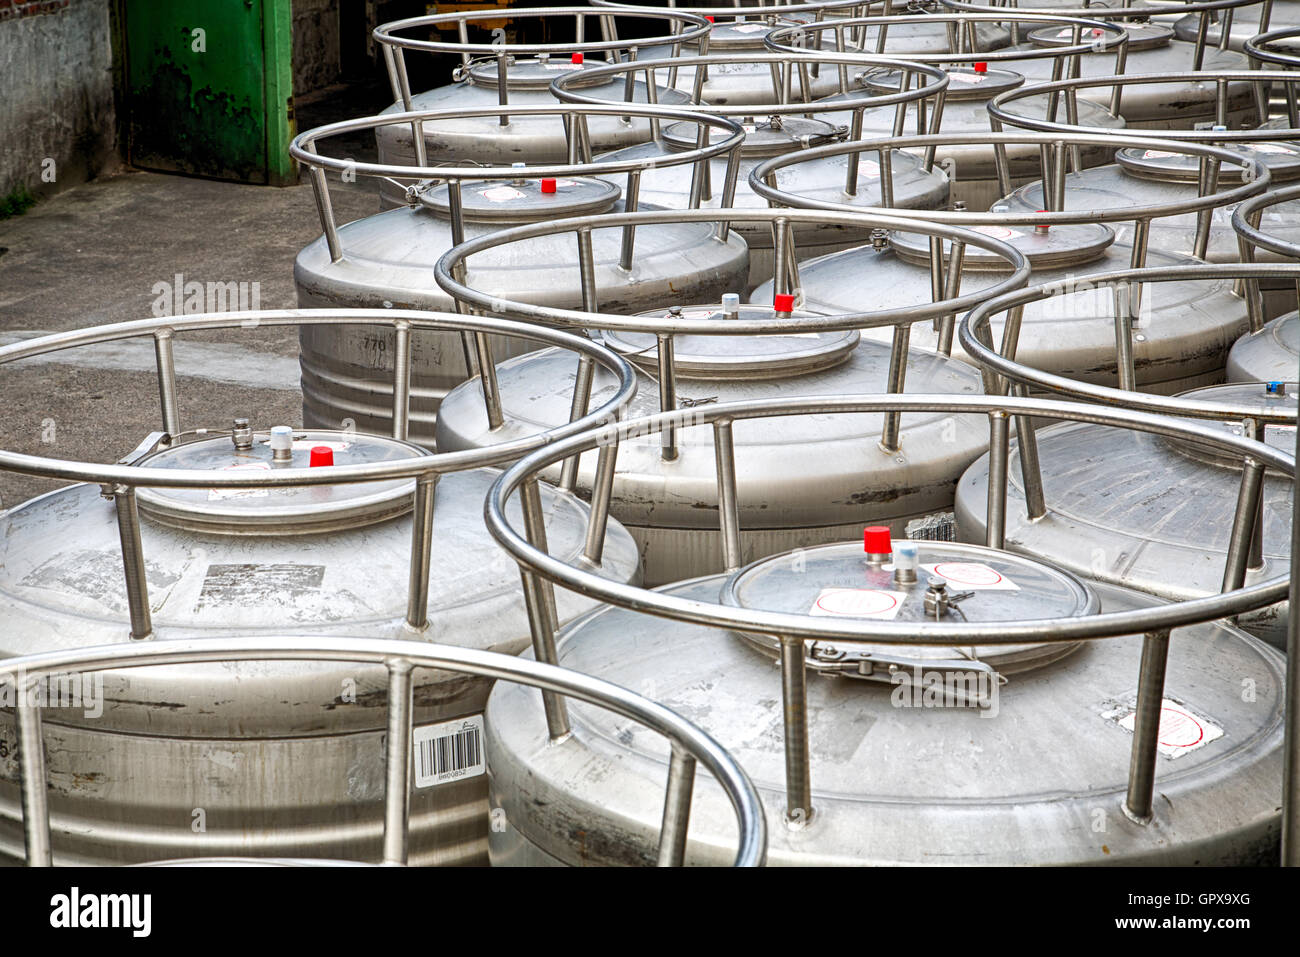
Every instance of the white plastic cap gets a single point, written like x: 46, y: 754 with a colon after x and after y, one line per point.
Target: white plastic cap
x: 905, y: 555
x: 730, y: 304
x: 282, y: 437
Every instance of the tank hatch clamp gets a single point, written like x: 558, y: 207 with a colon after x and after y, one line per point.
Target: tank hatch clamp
x: 829, y: 660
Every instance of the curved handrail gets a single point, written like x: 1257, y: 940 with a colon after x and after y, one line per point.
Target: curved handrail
x: 1054, y: 149
x: 975, y: 336
x: 1246, y: 220
x: 120, y: 481
x: 947, y: 300
x: 543, y: 571
x: 690, y: 745
x: 1221, y: 79
x: 303, y: 149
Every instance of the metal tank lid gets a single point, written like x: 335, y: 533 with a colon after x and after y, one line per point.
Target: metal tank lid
x: 976, y: 82
x: 911, y: 581
x: 734, y: 36
x: 511, y: 200
x: 1268, y: 398
x: 1141, y: 36
x: 1282, y: 160
x: 770, y: 137
x: 1046, y: 247
x: 532, y: 73
x: 738, y: 357
x: 270, y: 511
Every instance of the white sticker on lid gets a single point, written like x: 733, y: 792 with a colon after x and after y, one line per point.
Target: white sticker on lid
x: 868, y: 169
x: 500, y: 194
x: 857, y: 603
x: 1159, y: 154
x: 749, y: 127
x: 221, y: 494
x: 998, y: 232
x: 967, y: 77
x: 450, y: 751
x: 749, y: 27
x: 973, y: 575
x: 568, y: 67
x: 1181, y: 731
x: 1267, y: 148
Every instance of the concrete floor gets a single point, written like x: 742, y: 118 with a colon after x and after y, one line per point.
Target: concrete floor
x: 93, y: 255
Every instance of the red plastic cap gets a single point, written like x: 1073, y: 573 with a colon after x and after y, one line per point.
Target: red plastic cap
x: 321, y: 455
x: 981, y: 67
x: 783, y: 303
x: 875, y: 540
x: 709, y: 18
x: 548, y: 186
x: 576, y: 58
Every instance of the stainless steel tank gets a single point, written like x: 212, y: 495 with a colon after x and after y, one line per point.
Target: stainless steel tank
x: 1182, y: 331
x: 502, y: 73
x: 387, y: 260
x: 974, y: 80
x: 193, y: 760
x: 872, y: 470
x: 1153, y: 177
x: 775, y: 127
x: 869, y: 747
x: 1170, y: 516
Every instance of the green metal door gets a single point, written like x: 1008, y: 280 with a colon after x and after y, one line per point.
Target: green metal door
x: 209, y: 88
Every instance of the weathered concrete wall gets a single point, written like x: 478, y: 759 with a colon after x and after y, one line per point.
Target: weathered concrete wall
x: 57, y: 122
x: 316, y: 60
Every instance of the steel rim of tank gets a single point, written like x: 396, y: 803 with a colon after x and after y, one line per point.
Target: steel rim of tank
x: 1148, y: 9
x: 1247, y: 217
x: 781, y: 104
x: 999, y: 112
x: 453, y: 261
x: 976, y: 338
x: 120, y: 482
x: 1155, y: 624
x: 303, y: 149
x: 793, y: 39
x: 691, y: 746
x: 1257, y: 177
x: 1256, y: 47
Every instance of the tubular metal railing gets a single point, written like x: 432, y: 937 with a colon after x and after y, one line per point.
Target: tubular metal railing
x: 919, y: 83
x: 683, y: 27
x: 303, y: 149
x: 543, y: 572
x: 1053, y: 150
x: 121, y: 481
x: 1260, y: 80
x: 946, y: 301
x: 1207, y: 12
x: 690, y: 745
x: 1248, y: 216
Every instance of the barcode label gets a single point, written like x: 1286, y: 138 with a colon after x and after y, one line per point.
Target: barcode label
x: 449, y: 751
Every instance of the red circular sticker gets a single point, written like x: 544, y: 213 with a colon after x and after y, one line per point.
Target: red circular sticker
x: 968, y: 573
x: 857, y: 602
x: 1178, y: 729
